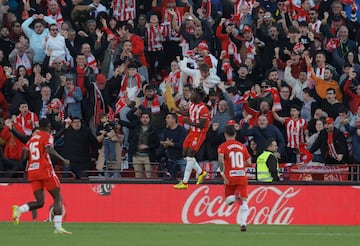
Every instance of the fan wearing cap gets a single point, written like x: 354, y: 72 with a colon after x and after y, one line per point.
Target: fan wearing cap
x: 332, y: 143
x: 71, y: 95
x: 321, y: 85
x: 99, y: 100
x: 203, y: 50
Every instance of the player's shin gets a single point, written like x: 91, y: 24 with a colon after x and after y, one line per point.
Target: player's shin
x: 244, y: 212
x: 196, y: 166
x: 58, y: 221
x: 188, y: 169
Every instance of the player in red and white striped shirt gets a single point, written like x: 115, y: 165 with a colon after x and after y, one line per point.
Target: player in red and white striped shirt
x: 296, y: 130
x: 199, y: 118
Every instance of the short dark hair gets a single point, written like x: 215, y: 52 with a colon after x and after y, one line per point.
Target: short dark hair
x: 230, y: 130
x: 295, y: 106
x: 174, y: 116
x: 269, y: 142
x: 44, y: 123
x: 331, y: 89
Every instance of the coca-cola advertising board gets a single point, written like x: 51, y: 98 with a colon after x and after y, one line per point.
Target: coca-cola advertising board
x: 160, y: 203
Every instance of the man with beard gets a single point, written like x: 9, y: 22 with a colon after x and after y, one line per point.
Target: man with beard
x: 5, y: 43
x: 154, y: 104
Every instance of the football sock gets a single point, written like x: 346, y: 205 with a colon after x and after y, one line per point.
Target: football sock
x: 58, y: 221
x: 244, y: 212
x: 196, y: 166
x: 188, y: 170
x: 230, y: 199
x: 24, y: 208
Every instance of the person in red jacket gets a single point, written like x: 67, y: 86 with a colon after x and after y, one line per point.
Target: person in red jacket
x: 11, y: 163
x: 353, y: 99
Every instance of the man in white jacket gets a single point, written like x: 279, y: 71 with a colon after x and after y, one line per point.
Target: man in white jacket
x: 54, y: 44
x: 201, y: 77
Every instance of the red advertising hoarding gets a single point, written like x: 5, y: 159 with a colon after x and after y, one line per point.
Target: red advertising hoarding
x: 282, y: 204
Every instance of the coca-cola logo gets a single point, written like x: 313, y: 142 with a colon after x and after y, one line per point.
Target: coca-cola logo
x: 102, y: 189
x: 267, y: 205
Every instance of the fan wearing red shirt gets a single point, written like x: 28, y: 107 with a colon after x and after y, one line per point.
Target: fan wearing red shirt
x: 42, y: 175
x: 233, y: 157
x: 27, y: 119
x: 198, y: 119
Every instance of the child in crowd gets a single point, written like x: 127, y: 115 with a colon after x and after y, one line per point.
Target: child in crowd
x: 106, y: 129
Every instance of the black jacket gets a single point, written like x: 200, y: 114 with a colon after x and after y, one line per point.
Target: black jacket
x: 339, y: 144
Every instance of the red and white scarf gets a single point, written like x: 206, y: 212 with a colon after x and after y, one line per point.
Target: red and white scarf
x: 91, y: 62
x: 275, y: 96
x: 23, y: 61
x: 315, y: 26
x: 174, y: 80
x: 232, y: 49
x: 124, y: 10
x: 120, y: 104
x: 228, y: 70
x: 99, y: 104
x: 206, y: 8
x: 250, y: 49
x: 155, y: 105
x: 154, y: 38
x: 168, y: 31
x: 57, y: 17
x: 331, y: 148
x: 124, y: 83
x: 80, y: 79
x: 213, y: 108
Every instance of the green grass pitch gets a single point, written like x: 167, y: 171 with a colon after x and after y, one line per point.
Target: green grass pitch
x: 103, y: 234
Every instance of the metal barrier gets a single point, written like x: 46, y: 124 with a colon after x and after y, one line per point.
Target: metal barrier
x: 289, y: 172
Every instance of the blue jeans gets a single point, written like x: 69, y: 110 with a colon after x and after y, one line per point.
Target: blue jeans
x: 109, y: 150
x: 175, y: 166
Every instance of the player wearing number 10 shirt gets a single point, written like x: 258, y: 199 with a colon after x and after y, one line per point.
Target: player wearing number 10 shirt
x: 233, y: 157
x: 41, y: 174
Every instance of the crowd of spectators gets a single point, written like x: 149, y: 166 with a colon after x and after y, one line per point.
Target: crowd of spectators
x: 113, y: 77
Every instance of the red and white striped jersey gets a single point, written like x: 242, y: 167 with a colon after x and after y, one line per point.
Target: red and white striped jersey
x: 168, y: 32
x: 197, y: 112
x: 154, y: 37
x: 124, y: 10
x: 295, y: 132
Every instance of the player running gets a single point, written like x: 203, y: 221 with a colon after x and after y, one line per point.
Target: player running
x: 233, y: 157
x: 199, y: 125
x: 42, y: 175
